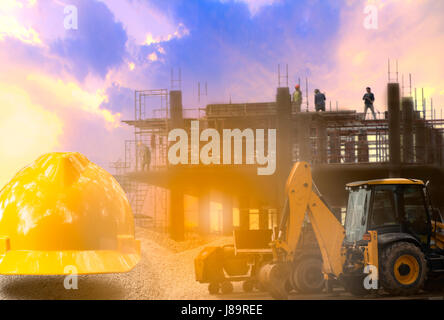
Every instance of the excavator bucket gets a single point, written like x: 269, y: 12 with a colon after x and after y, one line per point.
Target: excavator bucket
x: 63, y: 214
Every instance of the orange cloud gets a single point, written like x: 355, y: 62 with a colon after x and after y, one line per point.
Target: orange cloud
x: 70, y: 95
x: 27, y: 130
x: 10, y: 25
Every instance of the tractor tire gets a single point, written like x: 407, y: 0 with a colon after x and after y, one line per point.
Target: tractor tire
x: 403, y: 269
x: 226, y: 287
x: 307, y: 276
x: 213, y: 288
x: 355, y: 286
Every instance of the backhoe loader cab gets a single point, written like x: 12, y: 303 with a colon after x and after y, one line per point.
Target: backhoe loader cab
x: 398, y: 209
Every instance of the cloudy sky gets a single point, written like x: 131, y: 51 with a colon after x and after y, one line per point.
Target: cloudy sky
x: 68, y: 89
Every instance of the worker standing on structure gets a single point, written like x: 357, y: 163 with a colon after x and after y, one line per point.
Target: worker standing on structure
x: 319, y: 101
x: 146, y: 158
x: 369, y: 99
x: 297, y: 98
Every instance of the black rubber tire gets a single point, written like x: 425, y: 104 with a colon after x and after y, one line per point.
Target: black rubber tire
x: 248, y: 286
x: 307, y: 276
x: 387, y: 269
x: 226, y: 287
x: 213, y: 288
x: 355, y: 286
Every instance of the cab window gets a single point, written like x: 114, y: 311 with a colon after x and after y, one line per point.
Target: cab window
x: 356, y: 216
x: 384, y: 206
x: 414, y: 215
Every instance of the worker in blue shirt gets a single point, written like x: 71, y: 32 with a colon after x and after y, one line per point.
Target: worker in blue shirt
x: 369, y: 99
x: 319, y: 101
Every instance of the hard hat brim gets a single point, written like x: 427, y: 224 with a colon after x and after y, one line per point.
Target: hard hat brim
x: 24, y: 262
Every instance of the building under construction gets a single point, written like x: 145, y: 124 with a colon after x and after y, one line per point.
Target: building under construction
x: 405, y: 141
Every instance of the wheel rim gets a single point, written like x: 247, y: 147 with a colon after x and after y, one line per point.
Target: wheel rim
x: 406, y: 269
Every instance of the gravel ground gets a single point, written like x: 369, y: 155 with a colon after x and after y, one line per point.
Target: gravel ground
x: 165, y: 271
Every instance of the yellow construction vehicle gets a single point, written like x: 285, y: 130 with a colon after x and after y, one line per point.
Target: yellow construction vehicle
x: 391, y: 238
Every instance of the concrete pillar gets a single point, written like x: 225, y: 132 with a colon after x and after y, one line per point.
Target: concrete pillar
x: 304, y: 126
x: 407, y: 133
x: 176, y: 109
x: 394, y: 123
x: 420, y: 142
x: 227, y: 209
x: 335, y: 146
x: 177, y: 215
x: 204, y: 213
x: 283, y: 109
x: 431, y: 151
x: 441, y: 138
x: 350, y: 149
x: 284, y: 140
x: 438, y: 142
x: 363, y: 147
x: 322, y: 141
x: 244, y: 212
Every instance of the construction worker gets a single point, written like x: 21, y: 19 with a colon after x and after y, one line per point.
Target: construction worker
x: 319, y: 101
x: 297, y: 98
x: 146, y: 158
x: 369, y: 99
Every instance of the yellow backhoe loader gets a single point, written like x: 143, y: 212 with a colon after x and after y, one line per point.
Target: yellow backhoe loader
x: 391, y: 240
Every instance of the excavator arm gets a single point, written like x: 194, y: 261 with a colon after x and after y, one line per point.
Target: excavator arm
x: 303, y: 198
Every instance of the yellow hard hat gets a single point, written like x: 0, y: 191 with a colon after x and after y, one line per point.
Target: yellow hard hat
x: 64, y: 214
